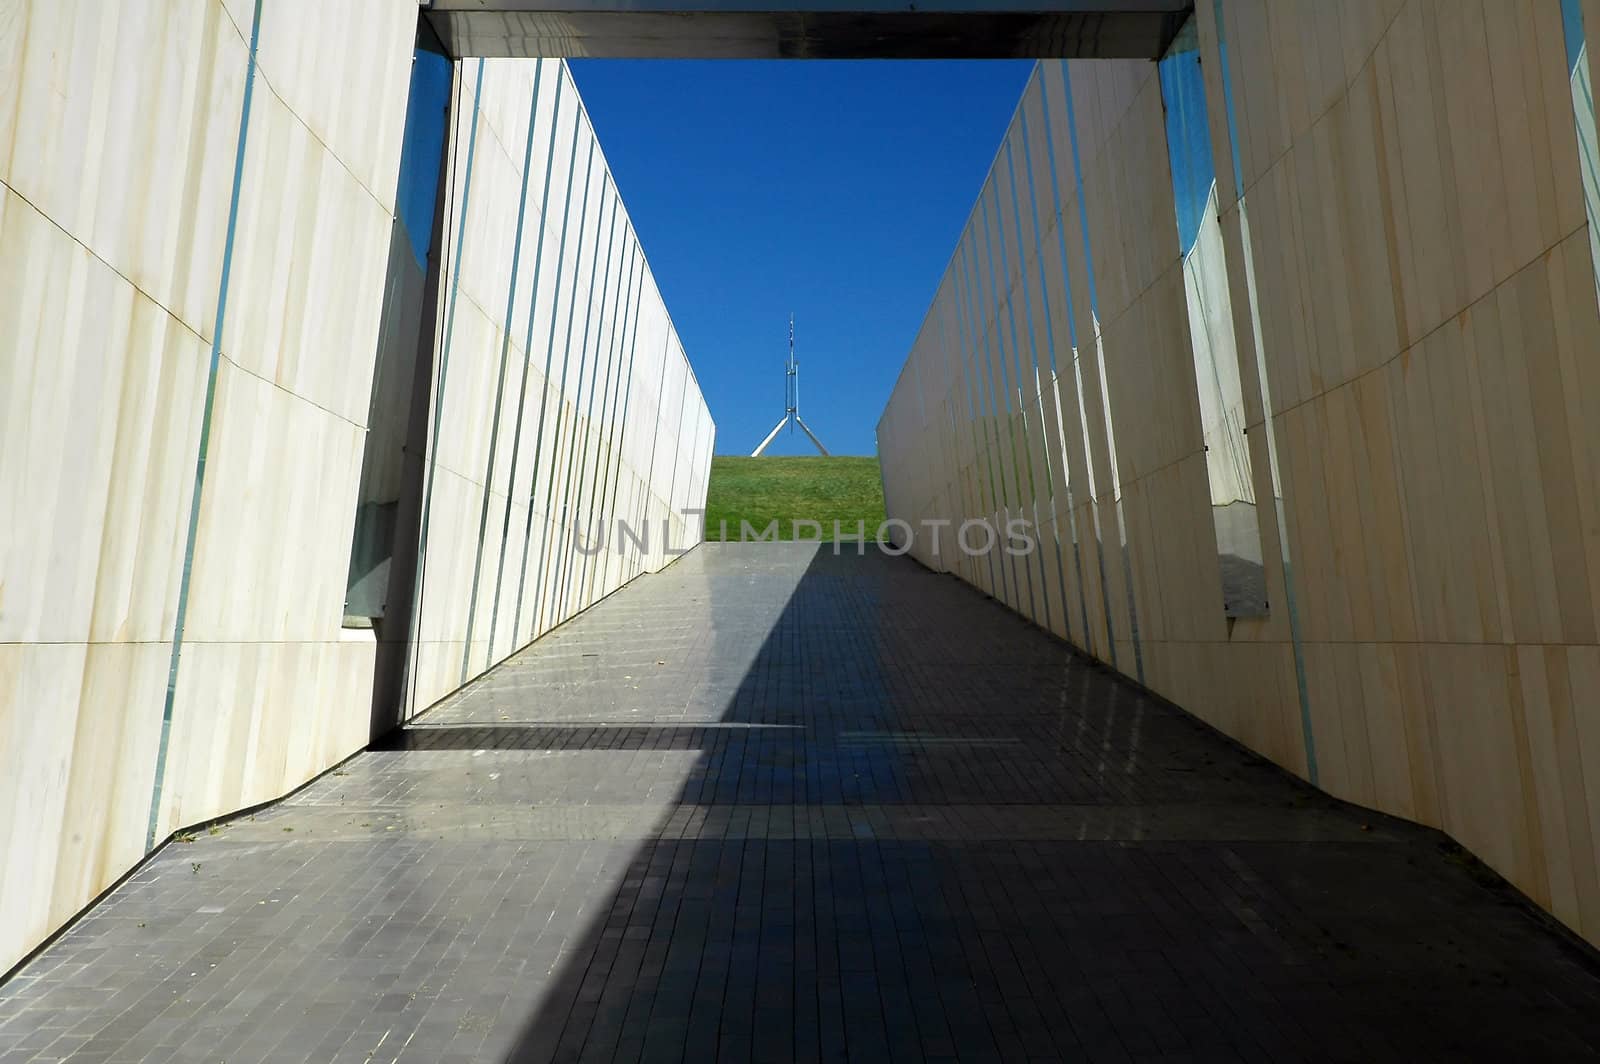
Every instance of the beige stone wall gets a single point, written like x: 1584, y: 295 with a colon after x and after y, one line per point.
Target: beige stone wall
x: 119, y: 126
x: 600, y: 345
x: 1425, y: 301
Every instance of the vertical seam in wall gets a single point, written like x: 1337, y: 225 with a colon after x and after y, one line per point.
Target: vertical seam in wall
x: 1015, y: 386
x: 446, y: 208
x: 672, y: 487
x: 527, y: 364
x: 624, y: 281
x: 563, y: 548
x: 205, y: 433
x: 959, y: 497
x: 1033, y: 346
x: 1302, y: 689
x: 998, y: 389
x: 627, y: 401
x: 627, y: 405
x: 975, y: 433
x: 956, y: 502
x: 569, y: 562
x: 500, y: 379
x: 630, y: 327
x: 915, y: 365
x: 444, y: 368
x: 711, y: 449
x: 566, y: 361
x: 996, y: 386
x: 1050, y: 345
x: 613, y: 389
x: 976, y: 402
x: 549, y: 362
x: 655, y: 444
x: 1105, y: 382
x: 980, y: 450
x: 1077, y: 374
x: 694, y: 467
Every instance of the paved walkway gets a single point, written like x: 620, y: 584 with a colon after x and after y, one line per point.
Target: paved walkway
x: 774, y: 804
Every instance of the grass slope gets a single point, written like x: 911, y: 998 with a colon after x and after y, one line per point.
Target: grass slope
x: 761, y: 490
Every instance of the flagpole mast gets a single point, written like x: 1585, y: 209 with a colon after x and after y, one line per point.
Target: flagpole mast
x: 791, y: 403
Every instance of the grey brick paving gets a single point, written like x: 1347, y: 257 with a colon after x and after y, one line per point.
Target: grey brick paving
x: 773, y: 804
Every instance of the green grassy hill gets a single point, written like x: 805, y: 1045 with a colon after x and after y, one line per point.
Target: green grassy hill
x: 761, y: 490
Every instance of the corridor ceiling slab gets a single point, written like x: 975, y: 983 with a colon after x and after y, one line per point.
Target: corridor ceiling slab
x: 807, y: 29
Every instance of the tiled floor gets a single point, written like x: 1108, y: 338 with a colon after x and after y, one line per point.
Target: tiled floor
x: 775, y: 804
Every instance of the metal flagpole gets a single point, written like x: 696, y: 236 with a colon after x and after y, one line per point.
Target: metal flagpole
x: 791, y: 404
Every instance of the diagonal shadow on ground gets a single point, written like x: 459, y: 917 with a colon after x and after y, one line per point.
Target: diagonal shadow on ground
x: 774, y: 804
x: 908, y: 873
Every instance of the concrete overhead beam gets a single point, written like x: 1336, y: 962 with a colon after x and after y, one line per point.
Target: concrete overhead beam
x: 807, y: 29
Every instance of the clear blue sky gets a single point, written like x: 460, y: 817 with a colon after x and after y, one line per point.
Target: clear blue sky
x: 835, y: 190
